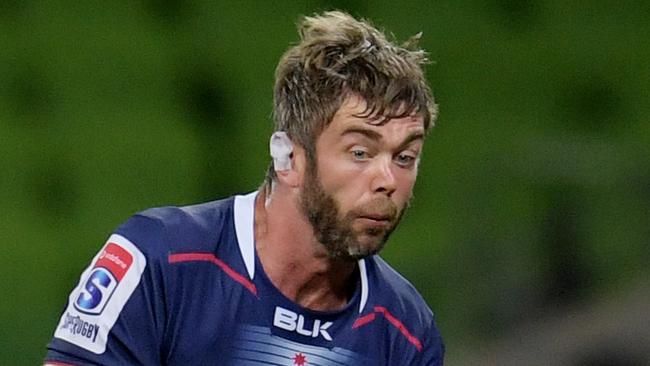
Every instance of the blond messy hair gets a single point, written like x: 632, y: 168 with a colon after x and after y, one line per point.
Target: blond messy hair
x: 339, y: 56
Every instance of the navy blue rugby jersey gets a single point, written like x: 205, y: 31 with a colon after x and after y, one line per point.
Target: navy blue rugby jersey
x: 183, y: 286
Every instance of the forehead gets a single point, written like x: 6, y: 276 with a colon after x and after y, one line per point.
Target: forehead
x: 353, y: 111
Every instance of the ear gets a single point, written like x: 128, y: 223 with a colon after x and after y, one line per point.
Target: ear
x: 294, y: 176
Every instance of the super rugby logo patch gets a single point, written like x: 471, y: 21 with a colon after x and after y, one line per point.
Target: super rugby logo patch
x: 103, y: 290
x: 113, y: 263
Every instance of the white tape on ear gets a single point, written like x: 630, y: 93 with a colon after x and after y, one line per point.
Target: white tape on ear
x: 281, y: 148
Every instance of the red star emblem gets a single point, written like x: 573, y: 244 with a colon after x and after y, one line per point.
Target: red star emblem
x: 299, y: 359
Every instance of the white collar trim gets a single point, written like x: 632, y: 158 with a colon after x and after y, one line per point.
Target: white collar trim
x: 244, y: 212
x: 364, y: 284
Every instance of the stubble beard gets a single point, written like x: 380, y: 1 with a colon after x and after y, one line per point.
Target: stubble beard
x: 334, y: 230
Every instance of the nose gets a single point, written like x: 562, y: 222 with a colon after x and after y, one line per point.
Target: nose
x: 384, y: 180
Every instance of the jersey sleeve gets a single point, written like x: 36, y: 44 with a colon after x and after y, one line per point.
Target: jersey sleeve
x: 433, y: 350
x: 116, y: 314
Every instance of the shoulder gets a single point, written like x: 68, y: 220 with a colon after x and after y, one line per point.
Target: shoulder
x: 393, y: 298
x: 392, y: 289
x: 129, y: 291
x: 161, y: 230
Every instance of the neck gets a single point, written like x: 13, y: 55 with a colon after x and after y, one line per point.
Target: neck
x: 295, y: 262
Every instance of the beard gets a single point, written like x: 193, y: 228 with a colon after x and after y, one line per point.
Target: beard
x: 334, y: 229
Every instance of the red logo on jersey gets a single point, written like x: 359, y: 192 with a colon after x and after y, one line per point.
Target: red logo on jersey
x: 299, y: 359
x: 116, y: 259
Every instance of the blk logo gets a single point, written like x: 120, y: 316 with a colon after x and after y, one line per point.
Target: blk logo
x: 111, y: 266
x: 293, y: 322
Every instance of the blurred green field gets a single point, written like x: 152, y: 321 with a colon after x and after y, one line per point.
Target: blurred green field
x: 534, y: 190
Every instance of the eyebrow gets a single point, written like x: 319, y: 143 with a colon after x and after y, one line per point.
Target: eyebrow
x: 412, y: 137
x: 373, y: 135
x: 376, y: 136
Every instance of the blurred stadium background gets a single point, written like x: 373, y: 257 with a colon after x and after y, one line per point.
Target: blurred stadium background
x: 529, y: 233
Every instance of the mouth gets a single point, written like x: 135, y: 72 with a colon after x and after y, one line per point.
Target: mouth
x: 375, y: 219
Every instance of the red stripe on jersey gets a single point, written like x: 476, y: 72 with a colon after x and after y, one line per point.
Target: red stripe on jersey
x: 208, y: 257
x: 57, y: 363
x: 399, y: 325
x: 392, y: 320
x: 363, y: 320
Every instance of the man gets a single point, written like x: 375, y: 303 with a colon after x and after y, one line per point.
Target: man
x: 288, y: 275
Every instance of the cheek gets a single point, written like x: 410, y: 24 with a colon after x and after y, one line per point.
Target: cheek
x: 336, y: 173
x: 344, y: 185
x: 408, y: 178
x: 405, y: 184
x: 347, y: 186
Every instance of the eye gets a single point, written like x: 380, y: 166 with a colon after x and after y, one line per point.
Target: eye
x: 359, y: 154
x: 405, y: 160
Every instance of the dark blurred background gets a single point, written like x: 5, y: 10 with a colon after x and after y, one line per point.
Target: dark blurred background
x: 529, y: 233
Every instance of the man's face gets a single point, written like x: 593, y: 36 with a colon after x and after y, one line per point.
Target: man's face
x: 363, y: 179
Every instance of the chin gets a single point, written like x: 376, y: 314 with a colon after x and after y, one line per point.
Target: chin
x: 366, y: 246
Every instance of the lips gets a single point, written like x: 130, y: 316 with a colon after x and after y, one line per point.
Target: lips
x: 377, y: 212
x: 375, y: 217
